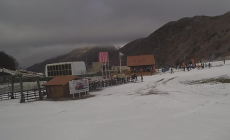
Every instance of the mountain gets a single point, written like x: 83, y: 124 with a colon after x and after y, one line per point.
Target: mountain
x: 87, y: 54
x: 199, y: 37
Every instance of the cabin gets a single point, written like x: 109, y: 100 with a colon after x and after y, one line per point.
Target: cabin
x: 58, y: 87
x: 141, y: 64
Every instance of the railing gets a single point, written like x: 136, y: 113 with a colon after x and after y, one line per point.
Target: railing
x: 29, y: 95
x: 33, y: 95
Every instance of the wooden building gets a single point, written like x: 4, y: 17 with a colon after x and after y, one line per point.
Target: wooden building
x: 58, y: 87
x: 141, y: 64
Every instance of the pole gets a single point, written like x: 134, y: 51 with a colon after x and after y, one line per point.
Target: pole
x: 39, y: 89
x: 105, y: 71
x: 12, y: 85
x: 22, y: 95
x: 108, y: 65
x: 102, y: 71
x: 120, y: 62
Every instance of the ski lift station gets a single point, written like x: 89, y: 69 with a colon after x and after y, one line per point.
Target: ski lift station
x: 65, y: 68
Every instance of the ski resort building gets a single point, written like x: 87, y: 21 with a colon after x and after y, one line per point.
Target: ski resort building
x: 58, y: 87
x: 141, y: 64
x: 65, y: 68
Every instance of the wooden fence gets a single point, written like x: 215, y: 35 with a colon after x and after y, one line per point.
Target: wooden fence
x: 29, y: 95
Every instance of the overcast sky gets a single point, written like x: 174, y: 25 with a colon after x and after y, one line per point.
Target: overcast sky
x: 34, y: 30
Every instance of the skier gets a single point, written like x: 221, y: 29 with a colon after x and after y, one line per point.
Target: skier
x: 209, y: 65
x: 135, y: 76
x: 172, y: 70
x: 141, y: 78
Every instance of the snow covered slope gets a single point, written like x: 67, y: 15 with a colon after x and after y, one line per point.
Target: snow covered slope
x: 163, y: 107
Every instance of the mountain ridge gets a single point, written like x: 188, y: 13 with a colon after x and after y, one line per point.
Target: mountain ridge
x: 197, y: 37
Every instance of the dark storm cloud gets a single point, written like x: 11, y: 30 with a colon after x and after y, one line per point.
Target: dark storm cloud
x: 32, y: 28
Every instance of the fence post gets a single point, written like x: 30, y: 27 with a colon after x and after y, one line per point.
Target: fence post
x: 39, y: 89
x: 35, y: 94
x: 12, y: 85
x: 27, y: 95
x: 22, y: 95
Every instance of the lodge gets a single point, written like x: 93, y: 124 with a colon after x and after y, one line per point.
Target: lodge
x: 58, y: 87
x: 141, y: 64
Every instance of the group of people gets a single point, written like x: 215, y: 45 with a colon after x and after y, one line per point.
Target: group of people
x: 187, y: 67
x: 142, y: 69
x: 198, y: 66
x: 93, y: 85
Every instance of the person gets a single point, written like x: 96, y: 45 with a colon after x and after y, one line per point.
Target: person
x: 172, y: 70
x: 209, y: 65
x: 224, y: 61
x: 135, y: 77
x: 141, y: 78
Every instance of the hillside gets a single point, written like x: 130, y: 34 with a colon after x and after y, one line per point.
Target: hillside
x: 199, y: 37
x: 87, y: 54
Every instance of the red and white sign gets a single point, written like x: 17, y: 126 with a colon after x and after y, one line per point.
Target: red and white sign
x: 103, y: 57
x: 77, y: 86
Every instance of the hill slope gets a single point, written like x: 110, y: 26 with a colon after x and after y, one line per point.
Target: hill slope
x: 199, y: 37
x: 87, y: 54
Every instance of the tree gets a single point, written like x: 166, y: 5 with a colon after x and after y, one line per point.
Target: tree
x: 7, y: 61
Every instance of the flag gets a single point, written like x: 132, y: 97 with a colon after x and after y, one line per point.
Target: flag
x: 103, y: 57
x: 121, y: 54
x: 100, y: 57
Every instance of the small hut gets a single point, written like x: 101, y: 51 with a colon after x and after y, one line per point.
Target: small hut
x: 141, y: 64
x: 58, y: 87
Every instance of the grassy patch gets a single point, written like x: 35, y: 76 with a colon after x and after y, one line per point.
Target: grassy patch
x: 71, y: 98
x: 222, y: 80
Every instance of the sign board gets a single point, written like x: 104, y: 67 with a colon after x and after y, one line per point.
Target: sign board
x: 77, y: 86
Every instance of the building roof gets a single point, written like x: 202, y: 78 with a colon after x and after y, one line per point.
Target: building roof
x: 140, y: 60
x: 61, y: 80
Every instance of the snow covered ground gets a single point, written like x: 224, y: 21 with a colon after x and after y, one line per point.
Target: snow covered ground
x: 163, y: 107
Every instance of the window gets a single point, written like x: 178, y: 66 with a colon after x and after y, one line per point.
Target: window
x: 66, y: 72
x: 66, y: 66
x: 70, y: 72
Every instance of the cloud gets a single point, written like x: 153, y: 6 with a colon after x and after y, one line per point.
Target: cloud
x: 40, y: 27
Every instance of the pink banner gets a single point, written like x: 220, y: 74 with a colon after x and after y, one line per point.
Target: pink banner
x: 103, y: 57
x: 100, y: 57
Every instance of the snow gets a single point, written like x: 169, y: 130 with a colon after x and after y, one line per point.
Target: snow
x: 163, y: 107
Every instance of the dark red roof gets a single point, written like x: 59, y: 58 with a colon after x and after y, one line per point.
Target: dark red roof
x: 140, y: 60
x: 61, y: 80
